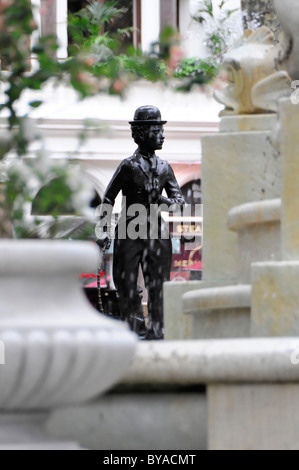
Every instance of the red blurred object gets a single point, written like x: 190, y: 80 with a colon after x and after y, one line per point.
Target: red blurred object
x: 93, y: 284
x: 86, y: 276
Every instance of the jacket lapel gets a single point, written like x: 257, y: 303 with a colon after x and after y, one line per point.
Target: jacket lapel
x: 160, y: 166
x: 140, y: 162
x: 144, y: 168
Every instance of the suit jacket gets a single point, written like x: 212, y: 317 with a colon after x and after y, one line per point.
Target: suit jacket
x: 132, y: 178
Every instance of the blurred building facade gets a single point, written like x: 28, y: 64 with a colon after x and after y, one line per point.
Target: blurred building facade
x: 62, y: 118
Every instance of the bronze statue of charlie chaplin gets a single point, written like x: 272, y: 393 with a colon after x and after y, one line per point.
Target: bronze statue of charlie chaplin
x: 140, y: 239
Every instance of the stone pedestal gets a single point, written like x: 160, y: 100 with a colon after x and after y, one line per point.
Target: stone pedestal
x: 259, y: 234
x: 275, y: 299
x: 289, y: 144
x: 219, y: 312
x: 177, y: 325
x: 260, y: 417
x: 239, y: 166
x: 275, y: 295
x: 241, y: 189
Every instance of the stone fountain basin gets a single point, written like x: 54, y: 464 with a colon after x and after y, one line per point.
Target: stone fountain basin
x: 58, y: 349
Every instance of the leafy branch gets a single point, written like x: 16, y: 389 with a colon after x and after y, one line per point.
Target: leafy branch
x: 99, y: 62
x: 216, y: 39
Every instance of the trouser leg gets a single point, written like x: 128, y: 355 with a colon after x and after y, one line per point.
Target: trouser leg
x: 126, y: 261
x: 156, y: 266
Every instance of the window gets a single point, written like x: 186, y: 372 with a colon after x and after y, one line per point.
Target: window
x: 125, y: 21
x: 188, y: 237
x: 6, y: 48
x: 76, y: 5
x: 169, y: 13
x: 129, y: 19
x: 48, y: 17
x: 192, y: 194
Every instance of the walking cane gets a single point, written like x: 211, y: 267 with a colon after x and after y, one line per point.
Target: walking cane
x: 100, y: 302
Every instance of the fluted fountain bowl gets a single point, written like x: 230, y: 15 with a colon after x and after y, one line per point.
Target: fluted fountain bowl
x: 58, y: 350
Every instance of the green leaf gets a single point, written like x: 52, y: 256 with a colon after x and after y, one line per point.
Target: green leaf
x: 35, y: 104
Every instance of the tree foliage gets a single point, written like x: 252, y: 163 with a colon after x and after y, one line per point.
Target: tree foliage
x: 99, y: 62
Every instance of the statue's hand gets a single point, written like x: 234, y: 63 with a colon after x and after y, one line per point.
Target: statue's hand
x: 154, y: 196
x: 104, y: 241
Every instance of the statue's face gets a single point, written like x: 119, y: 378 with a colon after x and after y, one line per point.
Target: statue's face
x: 153, y: 137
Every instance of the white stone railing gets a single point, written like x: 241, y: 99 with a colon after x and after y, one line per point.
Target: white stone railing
x: 216, y: 361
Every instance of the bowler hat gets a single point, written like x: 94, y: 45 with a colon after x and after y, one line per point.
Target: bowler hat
x: 146, y: 115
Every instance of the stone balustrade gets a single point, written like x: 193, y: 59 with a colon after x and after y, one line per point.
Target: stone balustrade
x: 210, y: 394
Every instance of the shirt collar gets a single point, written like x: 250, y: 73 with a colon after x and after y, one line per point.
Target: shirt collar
x: 146, y: 157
